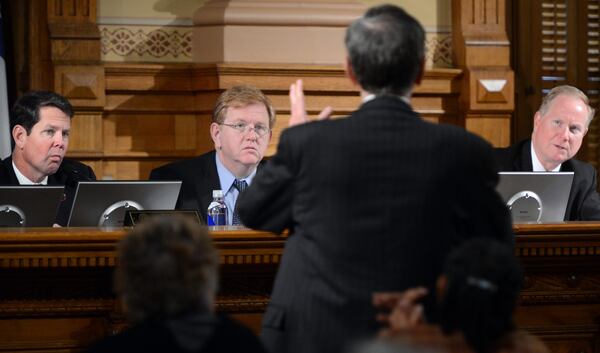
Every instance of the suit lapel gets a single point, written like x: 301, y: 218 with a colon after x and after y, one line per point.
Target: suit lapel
x: 523, y: 160
x: 10, y: 177
x: 206, y: 180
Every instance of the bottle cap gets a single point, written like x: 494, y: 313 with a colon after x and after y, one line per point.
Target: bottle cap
x: 217, y: 193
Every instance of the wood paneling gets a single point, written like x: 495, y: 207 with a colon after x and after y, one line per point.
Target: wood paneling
x: 130, y: 116
x: 482, y: 50
x: 159, y: 113
x: 56, y: 284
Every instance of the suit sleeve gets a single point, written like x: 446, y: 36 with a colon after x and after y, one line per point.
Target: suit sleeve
x: 91, y: 173
x: 267, y: 203
x: 590, y: 207
x: 482, y: 211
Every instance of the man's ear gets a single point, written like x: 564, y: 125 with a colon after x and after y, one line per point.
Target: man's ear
x: 350, y: 72
x: 19, y: 135
x: 215, y: 134
x: 537, y: 118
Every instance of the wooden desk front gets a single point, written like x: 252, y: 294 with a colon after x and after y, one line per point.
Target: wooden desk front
x: 56, y: 296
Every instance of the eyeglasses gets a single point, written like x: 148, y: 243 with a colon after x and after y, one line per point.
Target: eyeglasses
x: 242, y: 128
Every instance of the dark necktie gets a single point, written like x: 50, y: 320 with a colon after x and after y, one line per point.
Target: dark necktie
x: 241, y: 185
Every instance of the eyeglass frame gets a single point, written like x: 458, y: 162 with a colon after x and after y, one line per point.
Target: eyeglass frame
x: 245, y: 128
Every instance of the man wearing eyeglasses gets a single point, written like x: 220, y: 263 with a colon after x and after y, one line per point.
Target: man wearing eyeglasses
x: 241, y: 130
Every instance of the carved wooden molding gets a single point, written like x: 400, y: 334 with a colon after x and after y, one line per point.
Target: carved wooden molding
x: 242, y: 304
x: 482, y: 50
x: 561, y: 288
x: 280, y: 13
x: 88, y: 248
x: 49, y: 308
x: 558, y: 250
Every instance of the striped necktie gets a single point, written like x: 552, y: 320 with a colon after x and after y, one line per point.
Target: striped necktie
x: 241, y: 185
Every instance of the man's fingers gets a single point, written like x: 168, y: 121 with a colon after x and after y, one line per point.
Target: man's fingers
x: 386, y: 299
x: 412, y: 295
x: 325, y: 113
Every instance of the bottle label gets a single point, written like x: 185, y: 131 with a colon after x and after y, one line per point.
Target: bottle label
x: 216, y: 214
x: 216, y: 219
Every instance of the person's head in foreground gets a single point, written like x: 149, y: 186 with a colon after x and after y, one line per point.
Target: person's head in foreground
x: 479, y: 290
x: 168, y: 266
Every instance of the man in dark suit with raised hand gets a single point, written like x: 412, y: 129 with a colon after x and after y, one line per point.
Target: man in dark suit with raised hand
x: 40, y: 124
x: 558, y: 130
x: 374, y: 201
x: 241, y: 130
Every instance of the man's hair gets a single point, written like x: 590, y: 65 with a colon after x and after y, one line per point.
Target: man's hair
x: 566, y: 90
x: 239, y: 97
x: 483, y: 283
x: 26, y: 110
x: 167, y: 266
x: 386, y: 48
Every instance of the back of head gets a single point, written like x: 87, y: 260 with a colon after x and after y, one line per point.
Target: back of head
x: 26, y: 110
x: 241, y: 96
x: 483, y: 282
x: 386, y: 49
x: 167, y: 267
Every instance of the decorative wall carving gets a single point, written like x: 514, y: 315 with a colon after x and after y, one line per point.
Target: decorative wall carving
x: 146, y: 43
x: 439, y: 50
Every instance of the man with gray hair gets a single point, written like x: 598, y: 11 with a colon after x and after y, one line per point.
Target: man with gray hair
x: 558, y: 130
x: 167, y: 281
x: 373, y: 201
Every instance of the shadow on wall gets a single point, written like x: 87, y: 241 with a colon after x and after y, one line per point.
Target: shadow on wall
x: 151, y: 109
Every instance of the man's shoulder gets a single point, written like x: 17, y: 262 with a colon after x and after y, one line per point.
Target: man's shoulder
x: 515, y: 157
x: 580, y: 166
x: 75, y: 164
x: 184, y: 166
x: 6, y: 171
x: 70, y: 166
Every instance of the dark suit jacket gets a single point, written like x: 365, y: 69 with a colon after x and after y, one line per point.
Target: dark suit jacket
x: 225, y: 336
x: 68, y: 175
x: 375, y: 202
x: 584, y: 201
x: 199, y: 178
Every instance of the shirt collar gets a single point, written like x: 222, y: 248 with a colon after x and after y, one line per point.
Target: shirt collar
x: 23, y: 180
x: 371, y: 96
x: 226, y: 178
x: 537, y: 165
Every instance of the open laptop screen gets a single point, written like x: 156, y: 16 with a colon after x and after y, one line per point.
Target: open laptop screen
x: 104, y: 203
x: 536, y: 197
x: 29, y: 205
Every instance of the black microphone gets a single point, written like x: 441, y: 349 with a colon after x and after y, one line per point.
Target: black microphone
x: 73, y: 174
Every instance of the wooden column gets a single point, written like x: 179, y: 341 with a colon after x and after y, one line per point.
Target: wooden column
x: 482, y: 50
x: 78, y: 70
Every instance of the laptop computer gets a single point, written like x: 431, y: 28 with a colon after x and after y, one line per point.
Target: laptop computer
x: 536, y: 197
x: 104, y: 203
x: 29, y: 205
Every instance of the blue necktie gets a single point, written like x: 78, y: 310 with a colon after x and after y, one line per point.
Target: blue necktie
x: 241, y: 185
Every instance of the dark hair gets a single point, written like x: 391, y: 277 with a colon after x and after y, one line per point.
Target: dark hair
x: 483, y: 283
x: 167, y: 266
x: 386, y: 48
x: 26, y: 110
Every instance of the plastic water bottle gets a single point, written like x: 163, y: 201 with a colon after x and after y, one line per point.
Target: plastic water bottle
x: 217, y: 210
